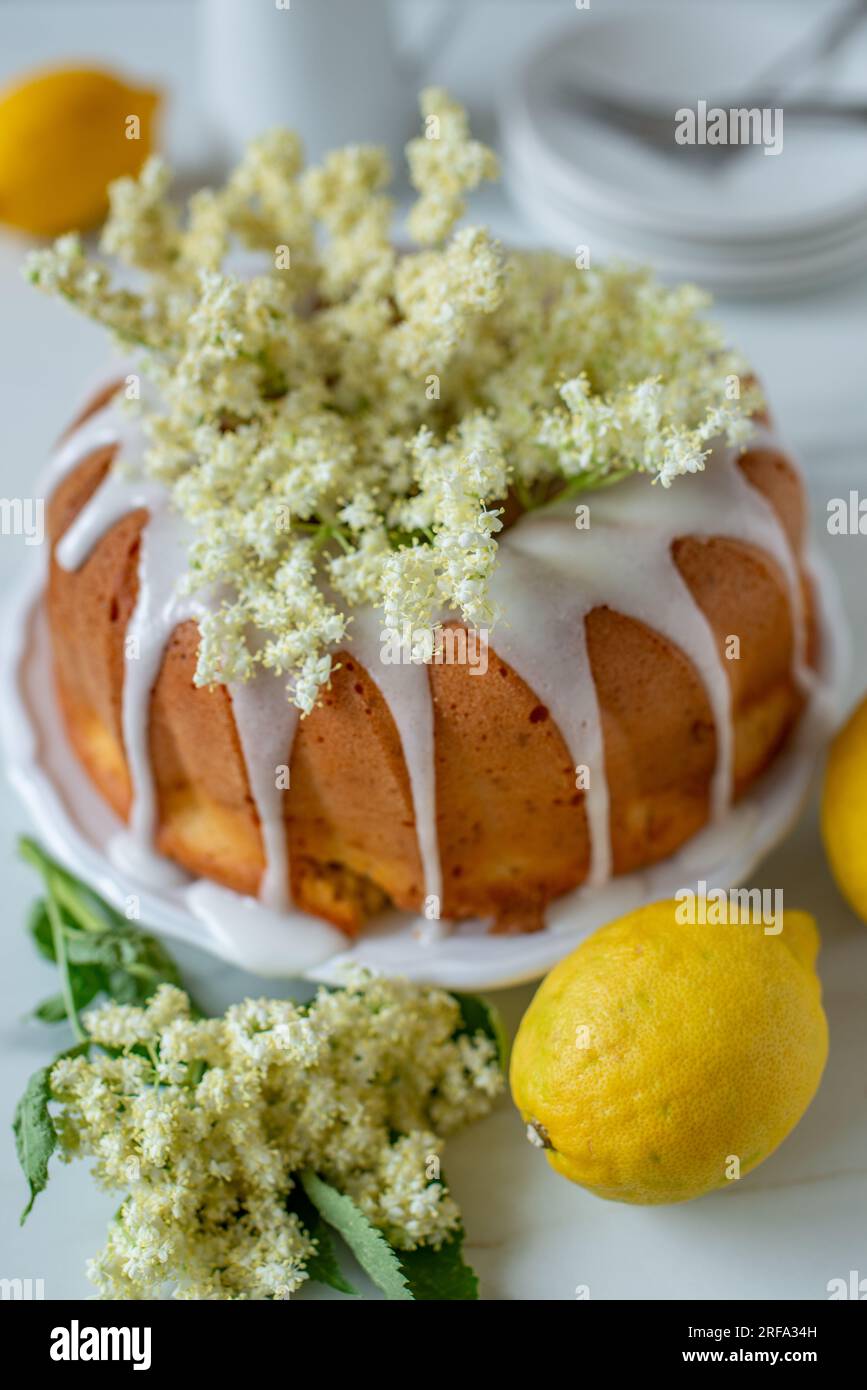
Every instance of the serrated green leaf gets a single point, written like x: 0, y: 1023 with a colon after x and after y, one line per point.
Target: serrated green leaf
x: 322, y: 1268
x: 33, y: 1127
x: 369, y: 1246
x: 440, y: 1274
x: 35, y: 1137
x: 132, y: 963
x: 480, y: 1016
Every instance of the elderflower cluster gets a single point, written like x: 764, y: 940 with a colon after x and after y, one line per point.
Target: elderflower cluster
x: 204, y: 1122
x: 345, y: 426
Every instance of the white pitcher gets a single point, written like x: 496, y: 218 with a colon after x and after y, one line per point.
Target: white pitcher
x: 330, y: 69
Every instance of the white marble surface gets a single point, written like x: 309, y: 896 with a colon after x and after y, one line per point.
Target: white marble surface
x: 784, y: 1231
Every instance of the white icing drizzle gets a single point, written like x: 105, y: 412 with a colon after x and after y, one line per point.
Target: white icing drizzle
x: 106, y: 426
x: 549, y: 577
x: 163, y: 558
x: 116, y: 496
x: 266, y: 721
x: 264, y: 718
x: 405, y: 687
x: 767, y: 532
x: 543, y: 639
x: 159, y: 608
x: 552, y: 574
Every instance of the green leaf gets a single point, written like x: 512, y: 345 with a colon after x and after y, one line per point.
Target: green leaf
x: 97, y: 950
x: 322, y: 1267
x: 85, y: 983
x: 479, y: 1016
x: 439, y: 1274
x: 369, y: 1246
x: 125, y: 952
x: 35, y: 1137
x: 79, y: 900
x: 51, y: 1010
x: 39, y: 929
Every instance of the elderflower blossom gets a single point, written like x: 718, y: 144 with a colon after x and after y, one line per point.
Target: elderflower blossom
x: 346, y: 425
x: 444, y: 164
x: 206, y: 1125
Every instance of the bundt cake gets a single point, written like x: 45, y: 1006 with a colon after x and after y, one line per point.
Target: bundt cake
x: 648, y: 669
x: 452, y: 441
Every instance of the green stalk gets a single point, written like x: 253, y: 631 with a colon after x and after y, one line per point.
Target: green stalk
x: 59, y: 887
x: 63, y: 966
x: 74, y: 904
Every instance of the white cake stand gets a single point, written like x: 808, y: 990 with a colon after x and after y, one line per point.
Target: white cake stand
x: 76, y: 826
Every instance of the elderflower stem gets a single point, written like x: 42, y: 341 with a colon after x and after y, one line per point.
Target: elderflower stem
x: 76, y: 908
x: 58, y: 938
x: 57, y: 887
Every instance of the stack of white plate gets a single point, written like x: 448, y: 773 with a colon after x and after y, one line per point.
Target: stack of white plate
x: 746, y: 223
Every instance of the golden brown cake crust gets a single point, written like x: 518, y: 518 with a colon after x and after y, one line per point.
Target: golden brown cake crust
x: 512, y: 827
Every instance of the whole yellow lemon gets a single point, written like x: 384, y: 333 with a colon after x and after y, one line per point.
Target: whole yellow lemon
x: 64, y: 135
x: 660, y: 1061
x: 844, y: 810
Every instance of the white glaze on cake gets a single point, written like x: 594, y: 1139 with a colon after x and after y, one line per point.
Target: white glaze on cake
x: 406, y: 690
x: 552, y: 574
x: 266, y: 721
x: 159, y: 608
x: 549, y: 577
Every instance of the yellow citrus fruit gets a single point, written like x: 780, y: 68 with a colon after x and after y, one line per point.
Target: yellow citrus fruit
x: 64, y: 135
x: 844, y: 810
x: 660, y: 1061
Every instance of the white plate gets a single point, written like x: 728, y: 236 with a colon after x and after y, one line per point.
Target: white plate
x: 785, y: 270
x: 697, y: 52
x: 76, y: 826
x: 752, y: 222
